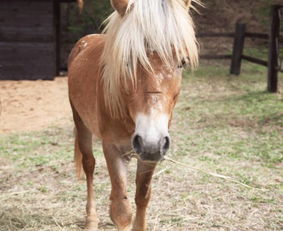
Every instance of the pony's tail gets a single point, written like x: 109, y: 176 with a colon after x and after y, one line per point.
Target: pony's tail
x: 78, y: 158
x: 81, y: 4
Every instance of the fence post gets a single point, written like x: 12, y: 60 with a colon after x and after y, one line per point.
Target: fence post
x: 272, y: 79
x: 238, y: 48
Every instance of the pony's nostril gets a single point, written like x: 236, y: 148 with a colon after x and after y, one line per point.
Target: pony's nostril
x: 137, y: 144
x: 165, y: 144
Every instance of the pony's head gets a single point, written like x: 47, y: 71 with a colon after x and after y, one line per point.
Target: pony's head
x: 151, y: 105
x: 147, y: 44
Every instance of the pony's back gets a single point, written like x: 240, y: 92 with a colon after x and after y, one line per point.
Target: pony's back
x: 85, y: 43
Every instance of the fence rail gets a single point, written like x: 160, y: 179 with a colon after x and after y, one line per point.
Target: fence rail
x: 215, y: 56
x: 274, y: 63
x: 205, y: 35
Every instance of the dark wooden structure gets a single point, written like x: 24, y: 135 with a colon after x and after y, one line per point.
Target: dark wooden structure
x: 29, y: 39
x: 274, y: 53
x: 238, y: 49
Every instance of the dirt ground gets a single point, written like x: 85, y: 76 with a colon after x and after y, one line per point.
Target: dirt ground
x: 33, y: 105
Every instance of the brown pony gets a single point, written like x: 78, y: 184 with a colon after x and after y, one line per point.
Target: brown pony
x: 123, y: 86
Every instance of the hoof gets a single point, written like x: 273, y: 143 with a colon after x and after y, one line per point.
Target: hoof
x: 128, y: 228
x: 91, y: 226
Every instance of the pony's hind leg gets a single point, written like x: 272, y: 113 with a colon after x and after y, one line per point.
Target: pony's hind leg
x: 84, y: 158
x: 120, y: 210
x: 143, y: 192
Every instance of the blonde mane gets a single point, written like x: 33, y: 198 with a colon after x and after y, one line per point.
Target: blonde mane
x: 162, y: 26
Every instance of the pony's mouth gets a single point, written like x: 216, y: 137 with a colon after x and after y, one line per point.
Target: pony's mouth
x: 151, y: 157
x: 145, y: 157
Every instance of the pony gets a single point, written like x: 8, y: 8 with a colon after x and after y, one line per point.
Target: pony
x: 123, y: 86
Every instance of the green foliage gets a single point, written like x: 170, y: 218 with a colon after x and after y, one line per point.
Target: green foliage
x: 89, y: 20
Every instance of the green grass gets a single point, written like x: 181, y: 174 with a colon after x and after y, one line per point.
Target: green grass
x: 222, y: 124
x: 233, y: 116
x: 35, y: 149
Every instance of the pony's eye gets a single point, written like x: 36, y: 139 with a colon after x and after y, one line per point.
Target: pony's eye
x: 183, y: 64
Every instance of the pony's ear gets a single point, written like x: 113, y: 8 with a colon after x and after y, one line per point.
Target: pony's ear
x: 188, y: 3
x: 81, y: 4
x: 120, y: 6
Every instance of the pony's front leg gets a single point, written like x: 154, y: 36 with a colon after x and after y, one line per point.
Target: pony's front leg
x: 143, y: 192
x: 120, y: 210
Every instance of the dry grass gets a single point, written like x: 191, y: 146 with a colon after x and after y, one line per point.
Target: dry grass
x: 223, y: 125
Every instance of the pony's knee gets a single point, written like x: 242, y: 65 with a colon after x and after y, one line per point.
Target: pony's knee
x: 88, y: 162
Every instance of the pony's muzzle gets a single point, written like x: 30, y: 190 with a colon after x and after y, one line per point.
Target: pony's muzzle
x: 151, y: 151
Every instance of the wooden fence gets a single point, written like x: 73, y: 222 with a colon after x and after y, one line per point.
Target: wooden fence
x: 273, y: 62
